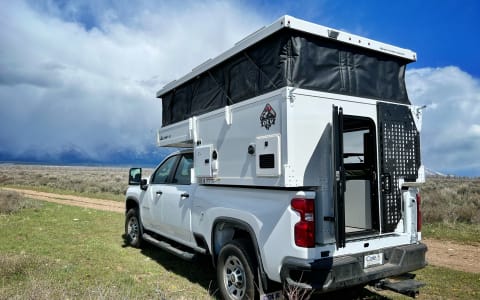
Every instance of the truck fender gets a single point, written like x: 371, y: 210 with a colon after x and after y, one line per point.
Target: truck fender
x: 235, y: 229
x: 131, y: 202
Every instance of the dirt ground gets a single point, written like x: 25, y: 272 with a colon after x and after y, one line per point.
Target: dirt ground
x: 440, y: 253
x: 99, y: 204
x: 454, y: 256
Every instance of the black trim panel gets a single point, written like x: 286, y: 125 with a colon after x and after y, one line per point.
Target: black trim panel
x: 289, y: 58
x: 335, y: 273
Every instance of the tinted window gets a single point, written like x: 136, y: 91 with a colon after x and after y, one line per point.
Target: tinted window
x: 162, y: 173
x: 182, y: 175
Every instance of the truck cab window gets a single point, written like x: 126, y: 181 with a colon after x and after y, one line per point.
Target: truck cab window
x: 182, y: 175
x: 162, y: 173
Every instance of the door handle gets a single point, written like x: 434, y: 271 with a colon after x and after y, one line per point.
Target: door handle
x: 159, y: 193
x: 185, y: 195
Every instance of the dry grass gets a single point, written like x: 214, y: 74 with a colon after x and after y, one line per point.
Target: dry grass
x: 98, y: 182
x: 451, y: 200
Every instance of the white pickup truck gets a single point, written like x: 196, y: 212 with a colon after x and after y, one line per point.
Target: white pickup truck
x: 301, y: 165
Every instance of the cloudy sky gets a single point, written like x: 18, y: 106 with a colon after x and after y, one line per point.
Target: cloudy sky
x: 83, y: 74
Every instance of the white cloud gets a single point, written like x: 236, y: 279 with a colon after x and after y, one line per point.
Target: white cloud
x: 85, y: 75
x: 451, y: 130
x: 474, y: 130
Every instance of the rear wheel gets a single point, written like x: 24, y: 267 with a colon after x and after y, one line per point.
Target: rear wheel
x: 133, y: 228
x: 236, y: 271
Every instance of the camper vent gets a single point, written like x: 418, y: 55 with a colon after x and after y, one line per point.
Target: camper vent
x: 268, y: 155
x: 267, y: 161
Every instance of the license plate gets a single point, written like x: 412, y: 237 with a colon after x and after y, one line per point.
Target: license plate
x: 278, y: 295
x: 373, y: 260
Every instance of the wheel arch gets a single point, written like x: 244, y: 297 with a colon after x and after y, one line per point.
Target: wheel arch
x: 226, y: 229
x: 130, y: 203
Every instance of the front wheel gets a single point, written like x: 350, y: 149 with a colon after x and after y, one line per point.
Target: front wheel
x: 235, y: 271
x: 133, y: 228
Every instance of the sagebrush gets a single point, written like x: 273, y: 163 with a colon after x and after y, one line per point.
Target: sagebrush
x: 451, y: 200
x: 11, y: 202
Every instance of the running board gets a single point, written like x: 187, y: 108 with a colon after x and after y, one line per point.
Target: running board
x: 408, y: 287
x: 169, y: 248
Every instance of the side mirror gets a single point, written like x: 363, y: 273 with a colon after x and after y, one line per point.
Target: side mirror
x: 143, y: 184
x: 135, y: 176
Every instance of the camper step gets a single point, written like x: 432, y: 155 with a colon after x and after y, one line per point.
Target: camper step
x: 186, y: 255
x: 408, y: 287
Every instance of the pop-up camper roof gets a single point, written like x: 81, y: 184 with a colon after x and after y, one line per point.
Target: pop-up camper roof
x: 294, y: 53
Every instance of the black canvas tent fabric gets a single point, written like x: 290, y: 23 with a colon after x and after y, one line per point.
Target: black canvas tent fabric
x: 289, y: 58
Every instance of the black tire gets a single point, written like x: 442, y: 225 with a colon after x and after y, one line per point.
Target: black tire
x: 236, y: 269
x: 133, y: 228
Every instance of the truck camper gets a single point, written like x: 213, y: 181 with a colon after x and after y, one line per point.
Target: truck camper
x: 300, y: 164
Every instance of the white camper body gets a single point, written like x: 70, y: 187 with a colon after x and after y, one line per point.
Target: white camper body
x: 289, y: 153
x: 230, y: 143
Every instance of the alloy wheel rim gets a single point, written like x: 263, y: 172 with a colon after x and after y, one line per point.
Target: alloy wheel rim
x: 234, y: 277
x: 133, y: 228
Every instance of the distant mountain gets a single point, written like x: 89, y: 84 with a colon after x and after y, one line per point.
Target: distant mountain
x: 430, y: 172
x: 75, y: 156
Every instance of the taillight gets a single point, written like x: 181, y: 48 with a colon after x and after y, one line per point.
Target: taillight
x: 304, y: 231
x: 419, y: 213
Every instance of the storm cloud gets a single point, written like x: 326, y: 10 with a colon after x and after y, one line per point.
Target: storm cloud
x: 83, y: 76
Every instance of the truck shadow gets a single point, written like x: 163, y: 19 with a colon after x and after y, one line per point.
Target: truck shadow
x: 201, y: 272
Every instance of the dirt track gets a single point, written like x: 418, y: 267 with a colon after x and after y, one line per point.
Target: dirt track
x: 440, y: 253
x: 454, y: 256
x: 99, y: 204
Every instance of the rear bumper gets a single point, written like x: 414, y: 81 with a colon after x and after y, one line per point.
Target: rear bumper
x: 335, y: 273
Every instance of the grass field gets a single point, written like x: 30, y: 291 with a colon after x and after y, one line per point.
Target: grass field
x: 96, y: 182
x: 64, y: 252
x: 50, y: 251
x: 58, y: 252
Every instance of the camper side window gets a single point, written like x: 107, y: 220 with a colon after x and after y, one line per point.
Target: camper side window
x: 161, y: 175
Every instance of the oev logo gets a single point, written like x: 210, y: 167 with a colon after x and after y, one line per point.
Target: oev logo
x: 268, y: 117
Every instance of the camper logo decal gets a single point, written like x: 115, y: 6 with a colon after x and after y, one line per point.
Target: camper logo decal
x: 267, y: 117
